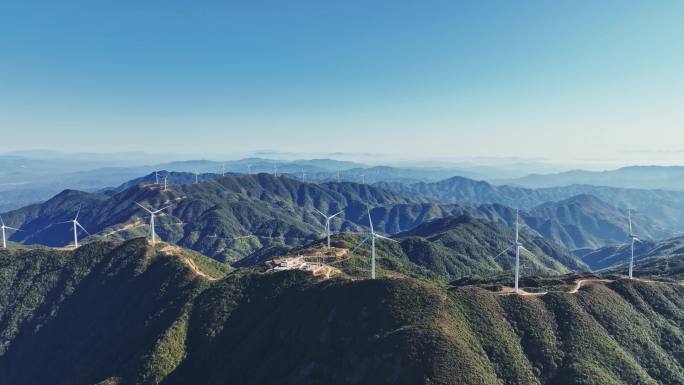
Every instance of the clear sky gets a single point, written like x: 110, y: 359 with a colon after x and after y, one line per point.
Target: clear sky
x: 563, y: 80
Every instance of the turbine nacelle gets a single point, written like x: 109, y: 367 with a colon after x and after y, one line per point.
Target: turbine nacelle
x: 632, y: 239
x: 372, y: 236
x: 4, y: 227
x: 517, y: 246
x: 76, y: 225
x: 152, y: 215
x: 328, y: 218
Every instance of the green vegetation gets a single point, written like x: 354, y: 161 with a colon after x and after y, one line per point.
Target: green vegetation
x: 662, y: 259
x: 242, y: 219
x: 227, y: 218
x: 127, y: 313
x: 450, y: 248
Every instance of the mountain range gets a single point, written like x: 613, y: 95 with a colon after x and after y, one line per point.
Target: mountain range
x: 650, y: 257
x: 633, y: 177
x: 664, y: 210
x: 127, y: 313
x: 236, y: 216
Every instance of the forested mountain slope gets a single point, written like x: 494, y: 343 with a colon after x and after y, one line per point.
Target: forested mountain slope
x: 128, y: 314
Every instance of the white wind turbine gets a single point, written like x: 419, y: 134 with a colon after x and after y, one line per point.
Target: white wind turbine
x: 196, y: 177
x: 518, y: 246
x: 3, y: 227
x: 156, y: 177
x: 632, y: 238
x: 372, y: 236
x: 166, y: 179
x: 152, y: 214
x: 249, y: 169
x: 327, y: 223
x: 223, y: 169
x: 275, y: 169
x: 76, y: 224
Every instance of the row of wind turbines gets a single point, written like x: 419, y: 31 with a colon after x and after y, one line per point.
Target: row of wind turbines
x: 222, y: 172
x: 372, y: 235
x: 77, y: 225
x: 518, y: 246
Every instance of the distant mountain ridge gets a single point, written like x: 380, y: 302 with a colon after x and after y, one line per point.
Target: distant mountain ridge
x: 232, y: 217
x: 460, y: 246
x: 660, y: 212
x: 662, y: 258
x: 637, y: 177
x: 586, y: 222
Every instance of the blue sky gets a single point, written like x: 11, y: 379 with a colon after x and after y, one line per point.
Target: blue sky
x: 562, y: 80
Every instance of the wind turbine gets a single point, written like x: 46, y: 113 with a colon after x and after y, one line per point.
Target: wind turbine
x: 152, y: 214
x: 303, y: 176
x: 166, y: 178
x: 196, y: 177
x: 275, y: 169
x: 518, y: 246
x: 338, y: 177
x: 372, y: 236
x: 223, y: 169
x: 249, y: 169
x: 3, y: 227
x: 632, y: 238
x: 156, y: 177
x: 327, y: 223
x: 76, y: 224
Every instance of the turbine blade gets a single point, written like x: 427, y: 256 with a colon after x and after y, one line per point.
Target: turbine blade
x: 82, y: 228
x: 12, y: 228
x: 161, y: 209
x: 143, y: 207
x: 501, y: 253
x: 527, y: 251
x: 77, y: 213
x: 361, y: 243
x: 385, y: 238
x: 1, y: 221
x: 316, y: 210
x: 370, y: 221
x: 336, y: 214
x: 61, y: 223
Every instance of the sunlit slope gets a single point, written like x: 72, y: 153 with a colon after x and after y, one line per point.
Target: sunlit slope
x: 130, y: 314
x: 449, y: 248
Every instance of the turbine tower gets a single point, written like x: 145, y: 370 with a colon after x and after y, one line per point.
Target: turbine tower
x: 275, y: 169
x: 196, y: 177
x: 156, y: 177
x: 327, y: 223
x: 152, y: 214
x: 166, y: 178
x: 518, y: 246
x: 76, y: 225
x: 632, y: 238
x: 223, y: 169
x: 372, y: 236
x: 249, y: 169
x: 3, y: 227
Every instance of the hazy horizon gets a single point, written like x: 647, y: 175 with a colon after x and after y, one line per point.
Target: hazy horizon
x: 143, y: 157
